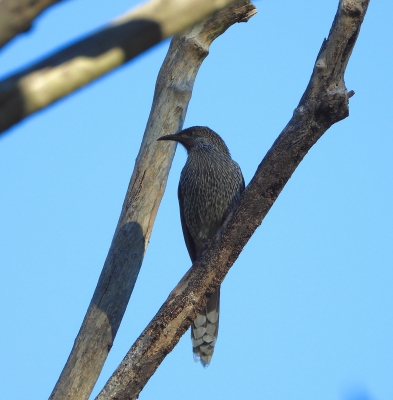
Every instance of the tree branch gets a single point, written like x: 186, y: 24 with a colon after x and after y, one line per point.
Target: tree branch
x: 73, y: 67
x: 324, y: 103
x: 16, y: 16
x: 172, y: 94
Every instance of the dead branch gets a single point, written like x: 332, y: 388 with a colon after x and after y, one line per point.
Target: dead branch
x: 324, y: 103
x: 73, y: 67
x: 121, y: 268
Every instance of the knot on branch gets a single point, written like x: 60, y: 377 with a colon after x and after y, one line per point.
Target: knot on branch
x: 299, y: 112
x: 333, y: 107
x: 320, y: 65
x: 351, y: 8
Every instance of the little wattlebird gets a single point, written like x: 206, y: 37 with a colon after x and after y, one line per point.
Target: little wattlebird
x: 210, y: 185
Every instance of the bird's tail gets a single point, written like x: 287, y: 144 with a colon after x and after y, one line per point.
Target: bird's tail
x: 204, y: 330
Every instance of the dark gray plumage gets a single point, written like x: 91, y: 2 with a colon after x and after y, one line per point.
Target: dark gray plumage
x: 210, y: 185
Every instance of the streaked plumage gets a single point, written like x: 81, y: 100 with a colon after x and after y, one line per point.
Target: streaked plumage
x: 210, y: 185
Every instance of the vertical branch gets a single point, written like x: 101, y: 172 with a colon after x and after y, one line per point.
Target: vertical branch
x: 172, y: 94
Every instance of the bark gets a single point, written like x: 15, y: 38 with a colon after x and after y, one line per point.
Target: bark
x: 73, y: 67
x: 324, y: 103
x: 121, y: 268
x: 16, y: 16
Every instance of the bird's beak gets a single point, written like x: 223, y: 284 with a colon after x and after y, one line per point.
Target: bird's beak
x: 174, y: 137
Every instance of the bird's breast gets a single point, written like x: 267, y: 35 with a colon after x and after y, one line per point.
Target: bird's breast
x: 208, y: 187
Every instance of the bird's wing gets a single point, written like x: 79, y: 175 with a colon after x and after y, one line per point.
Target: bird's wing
x: 186, y: 233
x: 243, y: 186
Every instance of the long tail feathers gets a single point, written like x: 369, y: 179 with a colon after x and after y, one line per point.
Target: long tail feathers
x: 204, y: 330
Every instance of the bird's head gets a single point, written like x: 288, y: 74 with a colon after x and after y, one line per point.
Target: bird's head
x: 198, y: 136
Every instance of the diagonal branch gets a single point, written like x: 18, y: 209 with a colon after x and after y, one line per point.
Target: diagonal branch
x: 73, y: 67
x: 16, y: 16
x: 324, y: 103
x: 173, y: 91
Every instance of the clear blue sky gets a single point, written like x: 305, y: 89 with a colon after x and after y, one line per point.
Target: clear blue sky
x: 307, y: 310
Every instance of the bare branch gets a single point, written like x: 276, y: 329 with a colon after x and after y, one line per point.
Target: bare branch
x: 73, y: 67
x: 114, y: 288
x: 324, y: 103
x: 16, y: 16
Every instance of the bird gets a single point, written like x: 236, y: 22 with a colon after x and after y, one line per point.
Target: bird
x: 210, y: 186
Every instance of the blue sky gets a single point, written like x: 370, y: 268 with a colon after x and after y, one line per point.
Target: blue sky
x: 306, y: 311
